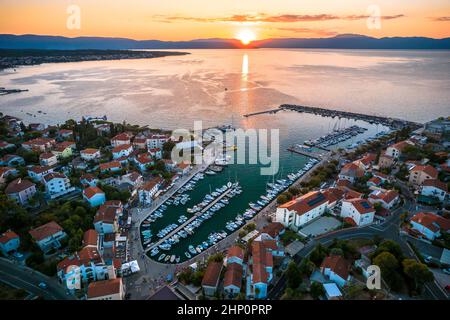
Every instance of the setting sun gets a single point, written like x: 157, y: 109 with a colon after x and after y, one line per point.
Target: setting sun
x: 246, y: 36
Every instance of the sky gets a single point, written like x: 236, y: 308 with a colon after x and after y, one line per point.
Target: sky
x: 198, y: 19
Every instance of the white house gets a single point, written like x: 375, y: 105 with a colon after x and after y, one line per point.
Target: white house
x: 120, y: 139
x: 395, y: 150
x: 48, y: 236
x: 300, y: 211
x: 21, y: 190
x: 106, y: 218
x: 336, y: 268
x: 143, y: 160
x: 90, y: 154
x: 156, y: 141
x: 430, y: 225
x: 387, y: 198
x: 111, y: 289
x: 94, y: 195
x: 155, y: 152
x: 352, y: 171
x: 48, y: 159
x: 359, y: 210
x: 148, y: 191
x: 123, y: 150
x: 38, y: 172
x: 57, y: 184
x: 434, y: 188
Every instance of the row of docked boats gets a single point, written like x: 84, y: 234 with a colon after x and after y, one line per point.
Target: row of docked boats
x: 211, y: 203
x: 337, y: 136
x: 167, y: 258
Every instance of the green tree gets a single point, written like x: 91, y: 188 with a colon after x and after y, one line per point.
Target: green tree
x: 317, y: 290
x: 318, y: 254
x: 306, y: 267
x: 282, y: 198
x: 418, y: 272
x: 293, y: 275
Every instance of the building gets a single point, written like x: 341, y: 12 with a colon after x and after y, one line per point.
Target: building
x: 57, y: 184
x: 155, y: 152
x: 122, y: 150
x: 111, y: 289
x: 358, y: 210
x: 21, y: 190
x: 38, y: 172
x: 332, y: 291
x: 420, y: 173
x: 272, y: 230
x: 395, y: 150
x: 149, y: 190
x: 48, y: 236
x: 121, y: 139
x: 12, y: 160
x: 232, y: 282
x: 367, y: 161
x: 36, y: 126
x: 157, y: 141
x: 140, y: 143
x: 352, y: 171
x: 143, y: 160
x: 48, y: 159
x: 106, y: 218
x: 90, y: 154
x: 262, y: 268
x: 336, y: 268
x: 134, y: 179
x: 235, y: 254
x: 387, y: 198
x: 434, y: 188
x: 88, y: 180
x: 112, y: 166
x: 439, y: 127
x: 374, y: 182
x: 39, y: 144
x: 64, y: 133
x: 430, y: 225
x: 302, y: 210
x: 64, y: 149
x: 9, y: 242
x: 183, y: 168
x: 91, y: 239
x: 210, y: 281
x: 94, y: 195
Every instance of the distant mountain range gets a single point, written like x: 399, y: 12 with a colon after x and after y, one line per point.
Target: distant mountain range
x: 346, y: 41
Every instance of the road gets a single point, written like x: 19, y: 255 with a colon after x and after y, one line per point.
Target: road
x: 29, y: 279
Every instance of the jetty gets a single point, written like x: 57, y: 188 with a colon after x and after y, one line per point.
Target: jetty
x: 183, y: 225
x: 373, y: 119
x: 308, y: 153
x: 4, y: 91
x: 262, y: 112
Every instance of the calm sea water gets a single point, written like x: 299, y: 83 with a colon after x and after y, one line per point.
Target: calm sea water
x: 219, y: 86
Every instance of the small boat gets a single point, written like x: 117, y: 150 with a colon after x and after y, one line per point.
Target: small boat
x: 188, y: 255
x: 161, y: 257
x: 167, y: 258
x: 172, y: 258
x: 177, y: 259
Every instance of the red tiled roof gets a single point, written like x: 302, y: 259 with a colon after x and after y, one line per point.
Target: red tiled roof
x: 18, y: 185
x: 121, y: 137
x: 40, y: 169
x: 233, y: 275
x: 429, y: 170
x: 435, y: 183
x: 212, y: 273
x: 110, y: 165
x: 400, y: 145
x: 352, y: 194
x: 92, y: 191
x: 432, y: 221
x: 4, y: 170
x: 46, y: 155
x: 361, y: 205
x: 262, y: 258
x: 45, y: 231
x: 305, y: 203
x: 273, y: 229
x: 90, y: 238
x: 104, y: 288
x: 337, y: 264
x: 89, y: 151
x: 375, y: 180
x: 8, y: 236
x: 235, y: 251
x: 148, y: 186
x: 352, y: 170
x: 333, y: 194
x: 122, y: 147
x: 49, y: 177
x: 60, y: 147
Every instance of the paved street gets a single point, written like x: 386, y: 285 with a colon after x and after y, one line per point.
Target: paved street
x: 28, y: 279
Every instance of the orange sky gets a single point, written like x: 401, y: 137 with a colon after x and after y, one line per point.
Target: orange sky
x: 191, y: 19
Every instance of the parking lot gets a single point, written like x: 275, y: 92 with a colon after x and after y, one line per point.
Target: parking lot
x: 320, y: 226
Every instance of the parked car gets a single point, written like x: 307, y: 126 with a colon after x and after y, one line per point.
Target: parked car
x: 42, y: 285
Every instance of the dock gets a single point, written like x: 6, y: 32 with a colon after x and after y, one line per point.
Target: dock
x: 182, y: 226
x: 262, y: 112
x: 387, y: 121
x: 310, y: 154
